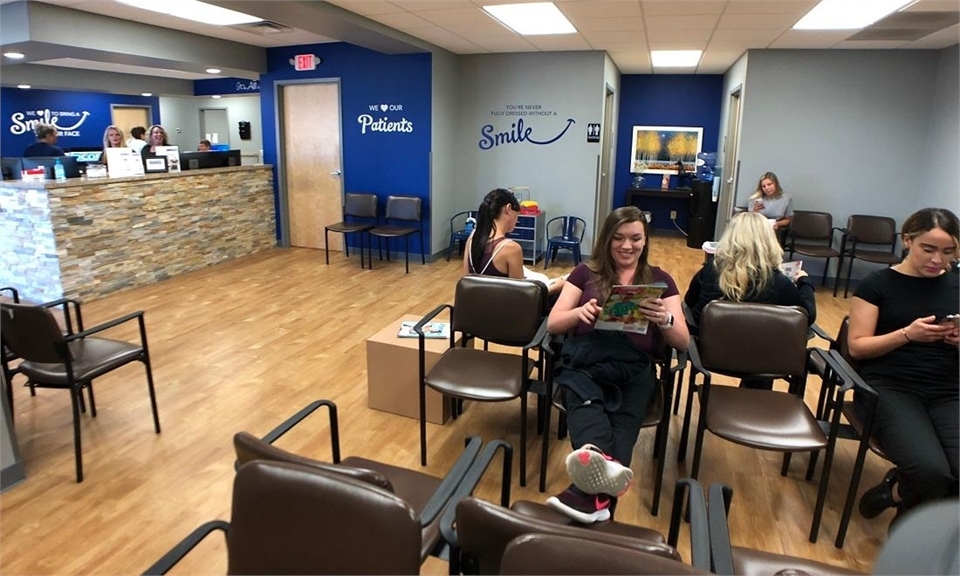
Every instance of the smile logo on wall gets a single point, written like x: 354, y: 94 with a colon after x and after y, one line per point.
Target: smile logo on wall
x: 380, y: 121
x: 519, y: 132
x: 68, y: 122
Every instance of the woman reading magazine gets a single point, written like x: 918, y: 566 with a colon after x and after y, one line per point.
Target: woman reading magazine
x: 607, y: 377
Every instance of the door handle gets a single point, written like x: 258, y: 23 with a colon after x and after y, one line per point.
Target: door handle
x: 336, y: 173
x: 729, y: 180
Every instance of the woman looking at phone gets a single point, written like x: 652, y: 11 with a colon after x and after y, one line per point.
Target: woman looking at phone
x: 771, y: 201
x: 909, y: 355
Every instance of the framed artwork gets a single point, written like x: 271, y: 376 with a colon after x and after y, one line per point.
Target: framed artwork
x: 657, y: 149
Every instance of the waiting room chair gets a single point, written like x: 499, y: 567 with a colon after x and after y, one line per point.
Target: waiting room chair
x: 400, y: 209
x: 358, y: 207
x: 8, y: 355
x: 878, y: 233
x: 426, y: 495
x: 657, y: 415
x: 750, y: 340
x: 570, y: 236
x: 51, y: 359
x: 811, y: 234
x: 504, y: 311
x: 294, y: 519
x: 458, y: 230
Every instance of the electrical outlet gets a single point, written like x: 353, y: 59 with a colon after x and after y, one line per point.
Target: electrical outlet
x: 673, y: 214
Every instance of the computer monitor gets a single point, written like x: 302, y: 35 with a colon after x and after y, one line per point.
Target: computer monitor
x: 70, y: 167
x: 230, y: 157
x: 11, y: 168
x: 210, y: 159
x: 86, y: 156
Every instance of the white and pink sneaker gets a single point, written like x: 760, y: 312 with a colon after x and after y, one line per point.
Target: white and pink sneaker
x: 594, y: 472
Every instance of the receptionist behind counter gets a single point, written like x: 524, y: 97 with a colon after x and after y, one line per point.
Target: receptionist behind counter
x: 46, y: 144
x: 156, y: 136
x: 204, y: 146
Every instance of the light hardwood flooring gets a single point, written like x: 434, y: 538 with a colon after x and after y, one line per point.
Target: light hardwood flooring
x: 242, y: 345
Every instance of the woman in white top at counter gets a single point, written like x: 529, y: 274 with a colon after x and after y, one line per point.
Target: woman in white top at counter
x: 771, y: 201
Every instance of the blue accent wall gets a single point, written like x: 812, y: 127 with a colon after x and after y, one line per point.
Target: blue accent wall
x: 664, y: 100
x: 81, y: 116
x: 390, y: 153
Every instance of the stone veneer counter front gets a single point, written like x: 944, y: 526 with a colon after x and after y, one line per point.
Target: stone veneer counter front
x: 84, y: 239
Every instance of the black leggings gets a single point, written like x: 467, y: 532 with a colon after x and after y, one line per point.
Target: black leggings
x: 918, y: 429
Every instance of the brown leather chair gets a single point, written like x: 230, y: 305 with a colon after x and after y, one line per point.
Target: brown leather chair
x: 400, y: 209
x: 878, y: 233
x: 293, y: 519
x: 657, y: 415
x: 484, y: 529
x: 811, y: 234
x: 742, y: 339
x: 359, y: 207
x: 503, y: 311
x: 547, y: 554
x: 52, y: 359
x: 427, y: 495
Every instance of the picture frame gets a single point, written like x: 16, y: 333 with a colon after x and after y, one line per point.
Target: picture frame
x: 660, y: 147
x: 155, y: 164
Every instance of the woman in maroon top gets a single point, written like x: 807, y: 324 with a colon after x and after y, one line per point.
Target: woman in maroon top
x: 607, y: 377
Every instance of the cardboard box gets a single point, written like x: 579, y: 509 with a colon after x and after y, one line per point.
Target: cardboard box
x: 393, y: 373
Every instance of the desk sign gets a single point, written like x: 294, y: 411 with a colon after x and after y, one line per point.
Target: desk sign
x: 173, y: 156
x: 123, y: 162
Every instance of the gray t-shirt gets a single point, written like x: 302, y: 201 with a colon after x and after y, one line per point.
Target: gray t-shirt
x: 777, y: 208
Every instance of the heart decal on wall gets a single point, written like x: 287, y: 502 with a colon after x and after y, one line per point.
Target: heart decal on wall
x: 383, y: 107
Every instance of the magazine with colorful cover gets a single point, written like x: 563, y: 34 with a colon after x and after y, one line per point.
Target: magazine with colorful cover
x: 621, y: 311
x: 430, y: 330
x: 791, y: 269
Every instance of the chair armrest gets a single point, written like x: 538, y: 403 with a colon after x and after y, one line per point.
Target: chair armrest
x: 451, y: 482
x: 469, y: 483
x: 101, y: 327
x: 850, y: 376
x: 310, y: 408
x: 694, y: 353
x: 170, y: 559
x: 820, y: 333
x: 699, y: 529
x: 720, y: 552
x: 14, y: 293
x: 418, y: 327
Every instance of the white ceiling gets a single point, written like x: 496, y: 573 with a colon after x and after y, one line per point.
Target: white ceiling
x: 627, y: 29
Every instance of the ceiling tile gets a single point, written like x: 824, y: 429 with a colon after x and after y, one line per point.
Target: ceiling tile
x: 758, y: 21
x: 703, y: 22
x: 800, y: 7
x: 560, y: 42
x: 869, y: 44
x: 608, y: 24
x: 459, y: 17
x: 632, y: 62
x: 937, y: 40
x: 367, y: 7
x: 427, y: 5
x: 593, y: 9
x: 697, y: 39
x: 717, y: 61
x: 810, y: 38
x: 675, y: 8
x: 402, y: 20
x: 753, y: 38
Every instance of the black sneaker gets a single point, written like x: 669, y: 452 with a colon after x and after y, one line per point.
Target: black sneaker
x: 877, y: 499
x: 584, y: 508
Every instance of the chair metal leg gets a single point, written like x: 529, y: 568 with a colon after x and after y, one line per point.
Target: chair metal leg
x: 546, y: 255
x: 846, y: 286
x: 826, y: 266
x: 423, y: 256
x: 663, y: 432
x: 786, y: 463
x: 326, y: 245
x: 851, y: 493
x: 545, y: 446
x: 423, y: 423
x: 685, y: 432
x: 449, y: 248
x: 576, y: 255
x: 822, y: 492
x: 93, y: 404
x: 75, y: 394
x: 149, y: 370
x: 698, y: 444
x: 406, y: 252
x: 523, y: 439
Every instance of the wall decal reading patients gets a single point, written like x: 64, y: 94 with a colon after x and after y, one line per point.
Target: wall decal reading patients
x: 384, y: 124
x: 518, y: 132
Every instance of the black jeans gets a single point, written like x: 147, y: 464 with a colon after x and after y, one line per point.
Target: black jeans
x: 613, y: 432
x: 918, y: 429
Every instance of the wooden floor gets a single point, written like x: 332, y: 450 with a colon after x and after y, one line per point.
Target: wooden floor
x: 242, y: 345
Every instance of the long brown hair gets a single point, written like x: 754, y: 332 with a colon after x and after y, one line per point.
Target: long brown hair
x: 601, y: 260
x: 489, y: 210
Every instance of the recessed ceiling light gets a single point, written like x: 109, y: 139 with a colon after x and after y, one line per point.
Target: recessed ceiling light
x: 531, y: 19
x: 194, y: 10
x: 14, y: 55
x: 847, y: 14
x: 215, y: 96
x: 675, y: 58
x: 24, y: 86
x: 213, y: 70
x: 146, y: 93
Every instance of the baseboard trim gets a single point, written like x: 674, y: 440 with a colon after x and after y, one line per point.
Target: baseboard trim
x: 12, y: 475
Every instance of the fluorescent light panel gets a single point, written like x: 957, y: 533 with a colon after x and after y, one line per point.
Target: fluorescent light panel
x: 531, y: 19
x: 14, y: 55
x: 194, y: 10
x: 848, y: 14
x: 675, y: 58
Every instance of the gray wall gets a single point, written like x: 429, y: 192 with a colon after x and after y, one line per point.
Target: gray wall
x: 181, y: 119
x: 850, y: 131
x: 562, y: 176
x: 444, y: 202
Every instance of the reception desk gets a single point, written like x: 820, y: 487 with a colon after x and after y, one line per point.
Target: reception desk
x: 84, y: 239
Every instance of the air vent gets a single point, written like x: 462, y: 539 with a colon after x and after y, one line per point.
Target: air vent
x: 907, y: 26
x: 264, y: 28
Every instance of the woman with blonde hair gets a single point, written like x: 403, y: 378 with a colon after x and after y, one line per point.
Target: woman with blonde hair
x: 746, y: 268
x: 112, y: 138
x: 771, y: 201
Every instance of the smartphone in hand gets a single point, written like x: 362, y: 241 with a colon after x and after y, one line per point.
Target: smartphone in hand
x: 950, y: 319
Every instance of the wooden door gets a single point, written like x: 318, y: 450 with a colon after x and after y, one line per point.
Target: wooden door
x: 310, y: 135
x: 126, y: 117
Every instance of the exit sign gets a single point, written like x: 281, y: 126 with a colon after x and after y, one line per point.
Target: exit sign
x: 304, y: 62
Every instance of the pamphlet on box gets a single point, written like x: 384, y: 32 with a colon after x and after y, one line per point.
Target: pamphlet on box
x: 791, y: 269
x: 430, y: 330
x: 621, y: 311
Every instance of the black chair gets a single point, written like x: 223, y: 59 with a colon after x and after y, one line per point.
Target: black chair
x: 503, y: 311
x: 878, y: 233
x: 51, y: 359
x: 458, y: 231
x: 357, y: 206
x: 811, y: 234
x: 571, y: 235
x: 400, y: 209
x: 9, y: 356
x: 427, y: 495
x: 658, y: 413
x: 293, y: 519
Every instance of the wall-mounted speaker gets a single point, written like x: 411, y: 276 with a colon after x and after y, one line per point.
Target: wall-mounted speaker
x: 244, y: 130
